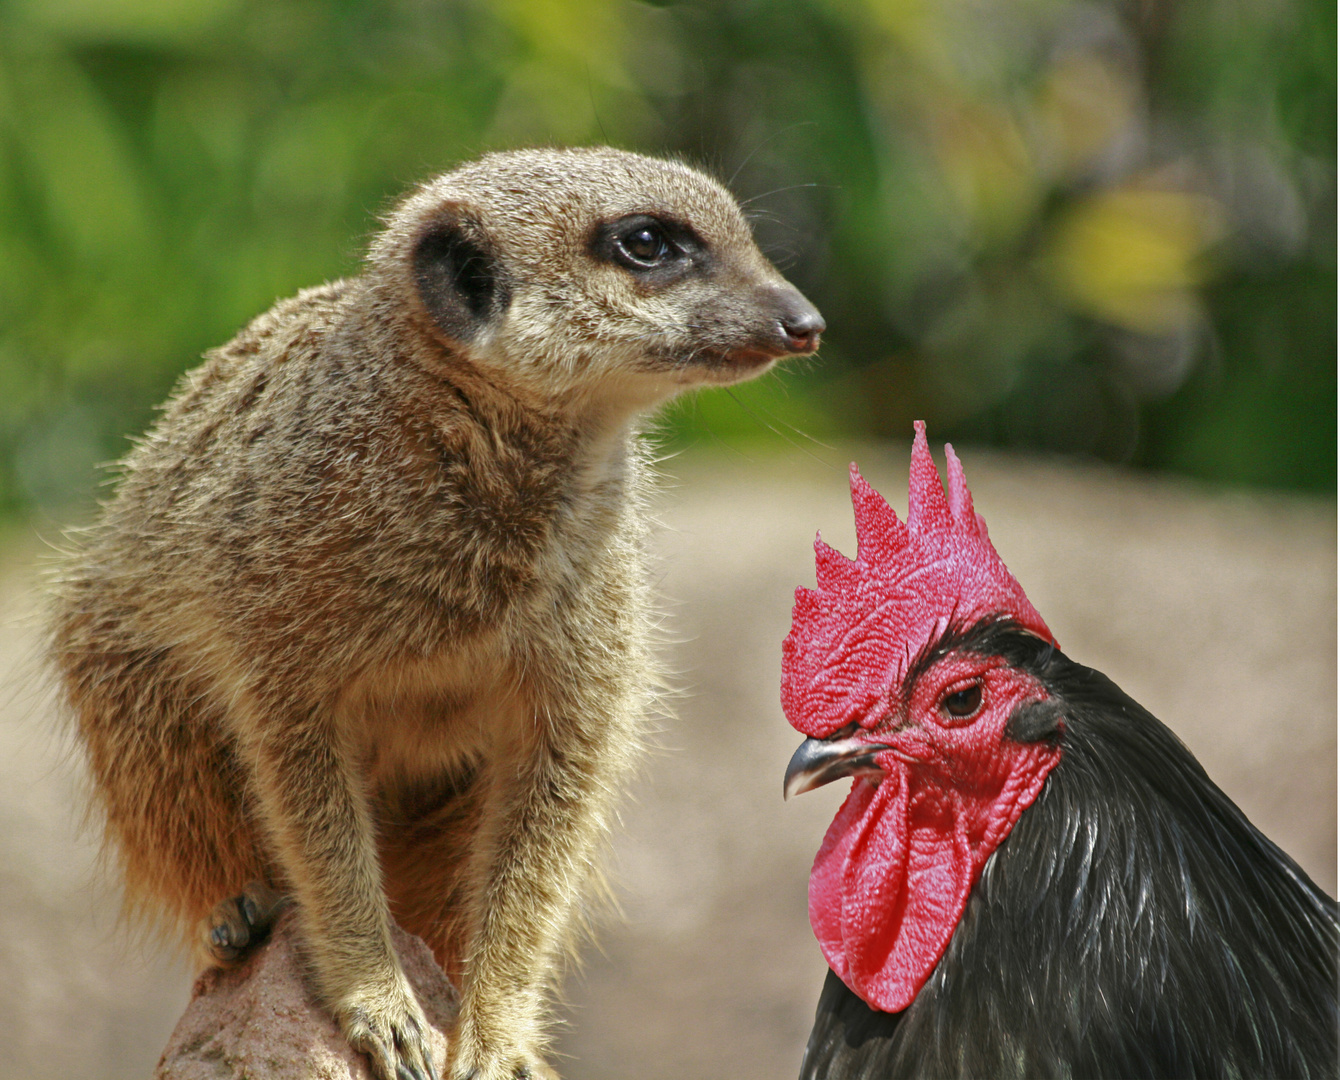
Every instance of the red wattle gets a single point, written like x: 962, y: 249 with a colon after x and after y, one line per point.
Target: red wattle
x: 893, y: 875
x: 888, y: 886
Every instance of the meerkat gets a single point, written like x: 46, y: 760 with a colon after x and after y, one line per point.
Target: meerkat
x: 364, y: 626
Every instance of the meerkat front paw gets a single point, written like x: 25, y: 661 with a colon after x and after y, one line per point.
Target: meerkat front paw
x: 238, y: 924
x: 508, y: 1068
x: 472, y: 1063
x: 537, y: 1070
x: 391, y: 1029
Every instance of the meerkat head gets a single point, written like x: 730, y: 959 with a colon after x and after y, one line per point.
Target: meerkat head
x: 592, y: 271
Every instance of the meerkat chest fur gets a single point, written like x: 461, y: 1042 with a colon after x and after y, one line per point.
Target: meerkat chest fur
x: 548, y: 594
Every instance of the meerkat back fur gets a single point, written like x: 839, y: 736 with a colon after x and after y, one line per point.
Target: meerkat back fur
x: 365, y: 625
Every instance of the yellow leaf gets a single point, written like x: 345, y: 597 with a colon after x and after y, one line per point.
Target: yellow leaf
x: 1134, y: 257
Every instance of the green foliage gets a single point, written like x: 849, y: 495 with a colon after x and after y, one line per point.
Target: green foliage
x: 1097, y: 228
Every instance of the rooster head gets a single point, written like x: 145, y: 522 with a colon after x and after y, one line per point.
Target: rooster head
x: 889, y: 670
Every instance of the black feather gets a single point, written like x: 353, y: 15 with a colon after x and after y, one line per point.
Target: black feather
x: 1133, y: 924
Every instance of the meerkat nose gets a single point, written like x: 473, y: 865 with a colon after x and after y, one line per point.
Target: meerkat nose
x: 800, y: 322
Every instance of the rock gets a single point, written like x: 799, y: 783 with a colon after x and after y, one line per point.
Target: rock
x: 259, y: 1021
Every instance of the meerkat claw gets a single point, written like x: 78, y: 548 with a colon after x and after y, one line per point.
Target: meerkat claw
x: 395, y: 1045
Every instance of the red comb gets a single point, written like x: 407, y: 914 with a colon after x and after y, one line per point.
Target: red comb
x: 852, y: 638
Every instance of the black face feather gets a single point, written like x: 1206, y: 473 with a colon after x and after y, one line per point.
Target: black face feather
x: 1134, y: 923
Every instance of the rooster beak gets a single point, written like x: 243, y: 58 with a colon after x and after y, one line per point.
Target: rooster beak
x: 817, y: 762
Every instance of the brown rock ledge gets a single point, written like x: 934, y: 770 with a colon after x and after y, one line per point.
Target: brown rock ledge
x: 259, y: 1021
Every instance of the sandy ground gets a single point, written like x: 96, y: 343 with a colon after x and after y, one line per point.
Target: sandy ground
x: 1217, y: 611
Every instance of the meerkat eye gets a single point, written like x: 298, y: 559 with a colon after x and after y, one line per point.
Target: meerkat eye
x: 964, y: 702
x: 643, y: 246
x: 657, y: 250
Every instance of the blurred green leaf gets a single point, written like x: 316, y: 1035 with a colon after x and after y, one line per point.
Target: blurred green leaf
x: 157, y: 22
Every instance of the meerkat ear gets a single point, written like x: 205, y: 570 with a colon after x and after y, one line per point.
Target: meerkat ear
x: 459, y: 277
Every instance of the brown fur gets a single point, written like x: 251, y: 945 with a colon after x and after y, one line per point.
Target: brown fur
x: 366, y: 618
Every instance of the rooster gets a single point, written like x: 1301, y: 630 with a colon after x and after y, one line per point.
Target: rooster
x: 1031, y: 876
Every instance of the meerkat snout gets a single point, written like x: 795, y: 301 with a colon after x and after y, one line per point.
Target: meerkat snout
x: 798, y: 321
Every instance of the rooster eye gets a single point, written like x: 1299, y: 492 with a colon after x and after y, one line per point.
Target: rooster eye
x: 963, y: 703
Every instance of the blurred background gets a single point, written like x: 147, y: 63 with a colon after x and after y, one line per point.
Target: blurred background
x: 1093, y: 242
x: 1098, y: 227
